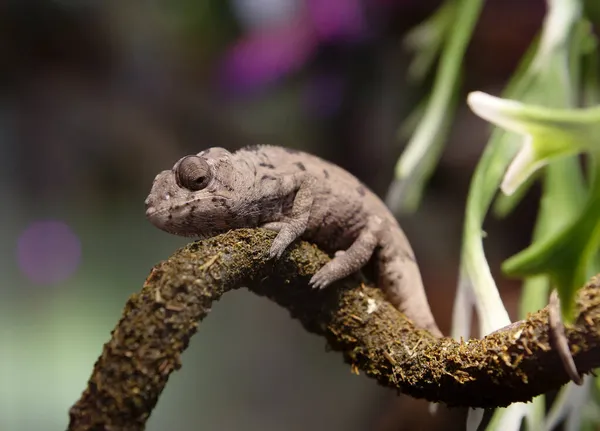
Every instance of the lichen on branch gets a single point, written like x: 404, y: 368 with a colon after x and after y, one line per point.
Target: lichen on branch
x: 513, y: 364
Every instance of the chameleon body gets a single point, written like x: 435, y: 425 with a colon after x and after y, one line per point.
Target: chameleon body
x: 299, y: 196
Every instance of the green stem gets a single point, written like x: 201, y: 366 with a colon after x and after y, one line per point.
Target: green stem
x: 423, y: 145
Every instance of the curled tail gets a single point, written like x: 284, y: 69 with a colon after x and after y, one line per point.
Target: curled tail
x: 400, y: 278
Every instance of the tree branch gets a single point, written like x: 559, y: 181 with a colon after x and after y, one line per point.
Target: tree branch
x: 513, y: 364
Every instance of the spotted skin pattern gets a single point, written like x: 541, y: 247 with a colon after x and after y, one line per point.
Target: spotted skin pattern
x: 297, y: 195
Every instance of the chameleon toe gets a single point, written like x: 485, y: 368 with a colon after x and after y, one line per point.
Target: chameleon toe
x: 320, y: 280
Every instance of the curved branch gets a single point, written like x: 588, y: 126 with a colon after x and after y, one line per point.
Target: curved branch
x: 513, y: 364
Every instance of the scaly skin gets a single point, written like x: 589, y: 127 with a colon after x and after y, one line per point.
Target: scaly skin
x: 297, y: 195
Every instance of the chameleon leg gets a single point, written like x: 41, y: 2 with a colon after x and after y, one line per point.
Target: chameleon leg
x: 400, y: 278
x: 288, y: 232
x: 557, y: 330
x: 351, y: 260
x: 293, y: 225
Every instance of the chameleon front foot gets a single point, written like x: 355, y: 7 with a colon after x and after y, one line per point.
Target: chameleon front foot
x: 557, y: 332
x: 287, y: 233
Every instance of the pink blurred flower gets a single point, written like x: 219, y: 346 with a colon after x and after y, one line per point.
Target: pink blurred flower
x: 264, y: 56
x: 269, y: 53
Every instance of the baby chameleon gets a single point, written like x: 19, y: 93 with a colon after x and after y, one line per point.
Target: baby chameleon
x: 297, y: 195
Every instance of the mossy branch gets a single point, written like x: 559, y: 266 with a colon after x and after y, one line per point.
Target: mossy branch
x: 513, y: 364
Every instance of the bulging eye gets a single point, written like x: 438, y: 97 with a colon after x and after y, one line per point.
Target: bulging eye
x: 192, y: 173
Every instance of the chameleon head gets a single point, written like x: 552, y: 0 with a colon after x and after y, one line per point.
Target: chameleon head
x: 194, y: 197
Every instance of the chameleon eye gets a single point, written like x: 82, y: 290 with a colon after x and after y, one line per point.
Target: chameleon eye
x: 192, y: 173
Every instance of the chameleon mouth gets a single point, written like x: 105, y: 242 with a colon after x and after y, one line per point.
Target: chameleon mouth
x: 156, y: 215
x: 159, y: 217
x: 150, y: 210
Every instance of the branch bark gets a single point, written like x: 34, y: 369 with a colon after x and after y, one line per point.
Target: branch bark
x: 510, y: 365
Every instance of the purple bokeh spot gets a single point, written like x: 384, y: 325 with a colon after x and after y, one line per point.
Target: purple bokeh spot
x: 337, y: 19
x: 265, y: 56
x: 48, y: 252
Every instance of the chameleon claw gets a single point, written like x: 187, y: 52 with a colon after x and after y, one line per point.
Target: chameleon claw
x: 317, y: 282
x: 277, y: 248
x: 557, y: 332
x: 287, y: 233
x: 274, y: 253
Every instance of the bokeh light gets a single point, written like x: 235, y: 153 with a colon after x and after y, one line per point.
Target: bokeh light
x: 48, y: 252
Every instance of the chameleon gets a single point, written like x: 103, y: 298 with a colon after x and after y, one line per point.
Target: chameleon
x: 298, y: 195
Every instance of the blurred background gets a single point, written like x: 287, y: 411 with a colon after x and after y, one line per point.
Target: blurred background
x: 96, y: 97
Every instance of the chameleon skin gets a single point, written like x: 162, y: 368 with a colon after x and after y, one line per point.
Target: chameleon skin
x: 299, y: 196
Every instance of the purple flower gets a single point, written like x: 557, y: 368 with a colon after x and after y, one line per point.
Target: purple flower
x: 283, y: 46
x: 265, y: 56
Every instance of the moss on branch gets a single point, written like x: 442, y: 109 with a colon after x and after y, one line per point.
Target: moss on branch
x: 513, y: 364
